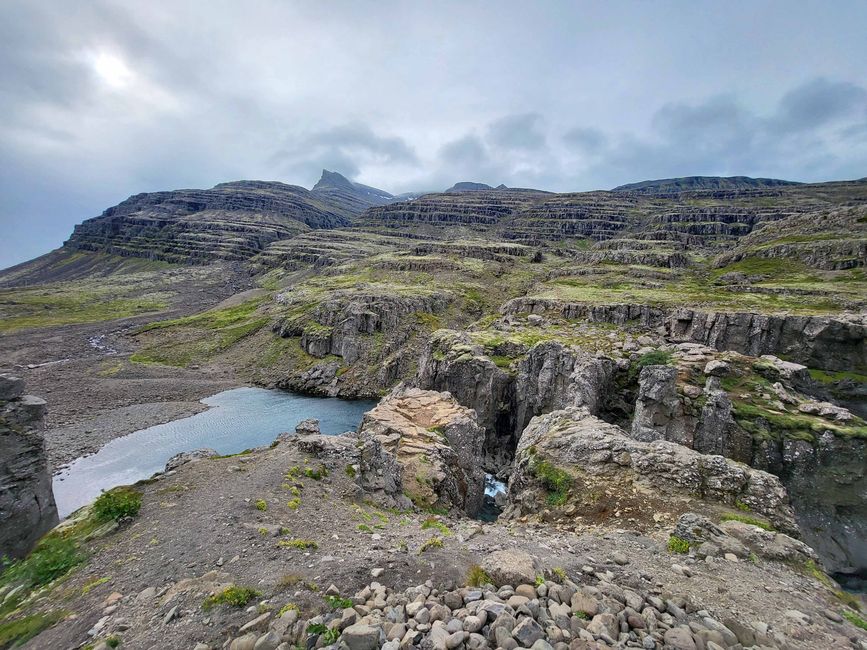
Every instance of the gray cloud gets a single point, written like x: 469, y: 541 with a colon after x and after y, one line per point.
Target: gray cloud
x: 517, y: 132
x: 105, y: 99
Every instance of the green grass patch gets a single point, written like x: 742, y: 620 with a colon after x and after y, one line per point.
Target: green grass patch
x: 556, y: 481
x: 234, y: 596
x: 53, y: 557
x: 17, y: 632
x: 431, y: 523
x: 855, y: 619
x: 477, y: 576
x: 302, y: 544
x: 49, y: 306
x: 747, y: 519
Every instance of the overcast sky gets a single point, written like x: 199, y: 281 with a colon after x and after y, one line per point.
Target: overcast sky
x: 101, y: 100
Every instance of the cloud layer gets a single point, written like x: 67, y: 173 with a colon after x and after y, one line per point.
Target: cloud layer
x: 106, y: 99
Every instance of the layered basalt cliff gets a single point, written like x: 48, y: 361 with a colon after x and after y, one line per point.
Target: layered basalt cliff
x: 27, y: 508
x: 826, y: 342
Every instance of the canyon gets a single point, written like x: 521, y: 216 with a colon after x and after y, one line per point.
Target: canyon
x: 672, y: 373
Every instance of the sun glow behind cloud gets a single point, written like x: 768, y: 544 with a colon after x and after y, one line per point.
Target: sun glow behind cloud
x: 110, y: 69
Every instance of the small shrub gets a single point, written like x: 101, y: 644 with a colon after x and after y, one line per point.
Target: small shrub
x: 364, y: 528
x: 743, y: 507
x: 112, y: 641
x: 261, y: 505
x: 297, y: 543
x: 234, y: 596
x: 477, y: 576
x: 116, y: 504
x: 678, y: 544
x: 855, y: 619
x: 329, y: 635
x: 652, y: 358
x: 746, y: 519
x: 350, y: 471
x: 584, y: 616
x: 289, y: 580
x: 336, y: 602
x: 288, y: 607
x: 540, y: 580
x: 293, y: 503
x: 559, y: 573
x: 316, y: 474
x: 433, y: 542
x: 263, y: 532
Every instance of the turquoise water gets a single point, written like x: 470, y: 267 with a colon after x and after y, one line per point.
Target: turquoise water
x: 238, y: 419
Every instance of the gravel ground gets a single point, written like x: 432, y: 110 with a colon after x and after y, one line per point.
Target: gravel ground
x: 221, y: 521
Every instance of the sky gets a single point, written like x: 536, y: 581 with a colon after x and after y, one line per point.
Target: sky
x: 102, y: 100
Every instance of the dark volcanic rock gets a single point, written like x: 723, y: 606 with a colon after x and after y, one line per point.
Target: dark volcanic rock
x: 27, y: 509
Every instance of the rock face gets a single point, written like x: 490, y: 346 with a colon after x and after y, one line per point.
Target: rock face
x: 376, y: 333
x: 571, y: 455
x: 659, y: 411
x: 548, y: 377
x: 817, y: 341
x: 27, y: 508
x: 426, y: 446
x: 824, y: 474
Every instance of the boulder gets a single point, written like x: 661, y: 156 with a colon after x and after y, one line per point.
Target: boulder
x: 511, y: 567
x: 189, y: 456
x: 425, y: 445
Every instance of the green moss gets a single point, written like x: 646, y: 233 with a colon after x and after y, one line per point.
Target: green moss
x: 677, y: 544
x: 234, y: 596
x: 746, y: 519
x: 93, y: 583
x: 261, y: 505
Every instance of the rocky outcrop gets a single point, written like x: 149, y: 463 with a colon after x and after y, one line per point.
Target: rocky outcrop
x: 27, y: 508
x: 452, y: 362
x: 425, y: 446
x: 659, y: 413
x: 554, y: 376
x: 547, y: 377
x: 825, y: 472
x: 825, y: 342
x: 368, y: 339
x: 575, y: 462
